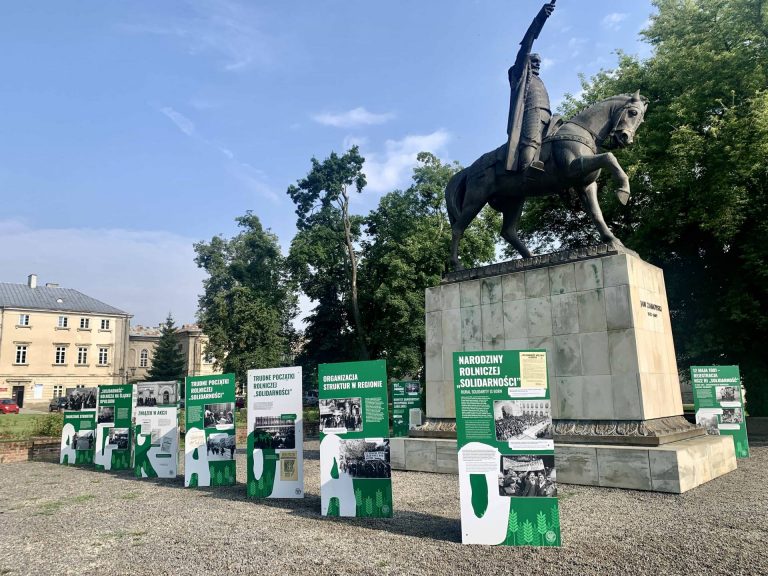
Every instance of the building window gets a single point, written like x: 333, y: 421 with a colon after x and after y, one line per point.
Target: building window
x: 58, y: 391
x: 103, y: 356
x: 23, y: 319
x: 144, y: 358
x: 82, y: 355
x: 61, y: 354
x: 63, y: 321
x: 21, y: 354
x: 85, y: 322
x: 105, y: 324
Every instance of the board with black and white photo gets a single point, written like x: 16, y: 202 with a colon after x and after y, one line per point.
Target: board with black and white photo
x: 355, y: 472
x: 114, y: 411
x: 719, y: 405
x: 506, y: 448
x: 78, y: 432
x: 275, y: 454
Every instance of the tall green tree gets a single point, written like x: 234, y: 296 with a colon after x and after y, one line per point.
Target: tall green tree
x: 405, y: 251
x: 248, y: 302
x: 699, y: 206
x: 328, y: 272
x: 167, y: 360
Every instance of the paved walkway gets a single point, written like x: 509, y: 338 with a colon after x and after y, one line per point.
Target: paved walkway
x: 59, y: 520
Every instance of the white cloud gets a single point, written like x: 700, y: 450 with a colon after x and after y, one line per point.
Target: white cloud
x: 392, y: 169
x: 546, y: 64
x: 253, y: 178
x: 359, y: 141
x: 182, y: 122
x: 613, y: 20
x: 356, y: 117
x: 230, y: 30
x: 143, y: 272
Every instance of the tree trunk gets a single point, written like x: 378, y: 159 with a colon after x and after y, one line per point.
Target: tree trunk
x: 353, y: 277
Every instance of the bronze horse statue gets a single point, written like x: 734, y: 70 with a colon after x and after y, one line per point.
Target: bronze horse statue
x: 570, y: 155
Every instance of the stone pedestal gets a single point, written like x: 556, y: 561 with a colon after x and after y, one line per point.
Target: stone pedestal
x: 602, y: 317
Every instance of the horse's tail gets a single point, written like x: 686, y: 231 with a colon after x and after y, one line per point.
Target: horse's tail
x: 454, y: 195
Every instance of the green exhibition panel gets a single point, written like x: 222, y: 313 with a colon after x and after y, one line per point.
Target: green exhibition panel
x: 114, y: 414
x: 275, y: 433
x: 78, y: 436
x: 355, y: 473
x: 406, y: 407
x: 209, y: 439
x: 156, y: 445
x: 718, y: 404
x: 507, y: 480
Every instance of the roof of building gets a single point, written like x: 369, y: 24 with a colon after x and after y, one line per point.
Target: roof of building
x: 145, y: 331
x: 53, y: 298
x: 140, y: 331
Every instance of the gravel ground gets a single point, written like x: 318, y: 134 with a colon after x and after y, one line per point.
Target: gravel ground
x: 59, y: 520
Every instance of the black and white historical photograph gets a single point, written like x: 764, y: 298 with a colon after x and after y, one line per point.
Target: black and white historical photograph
x: 219, y: 415
x: 221, y: 446
x: 365, y: 458
x: 412, y: 387
x: 726, y: 393
x: 707, y: 418
x: 119, y: 437
x: 527, y: 475
x: 80, y: 398
x: 340, y: 415
x: 522, y: 420
x: 156, y: 393
x: 106, y: 415
x: 273, y: 432
x: 84, y: 440
x: 732, y: 416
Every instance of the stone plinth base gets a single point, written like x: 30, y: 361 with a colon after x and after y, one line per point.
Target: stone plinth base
x: 675, y: 467
x: 424, y: 455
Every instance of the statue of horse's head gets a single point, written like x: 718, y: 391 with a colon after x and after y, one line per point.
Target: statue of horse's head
x: 627, y: 119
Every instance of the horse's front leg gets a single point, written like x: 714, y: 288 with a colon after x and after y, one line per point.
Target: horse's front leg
x: 586, y: 164
x: 588, y: 195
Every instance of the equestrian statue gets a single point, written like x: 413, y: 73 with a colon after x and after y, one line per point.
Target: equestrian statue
x: 544, y: 154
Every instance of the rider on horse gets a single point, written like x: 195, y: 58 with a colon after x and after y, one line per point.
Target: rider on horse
x: 529, y: 112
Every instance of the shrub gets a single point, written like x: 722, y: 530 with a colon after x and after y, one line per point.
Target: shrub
x: 49, y: 425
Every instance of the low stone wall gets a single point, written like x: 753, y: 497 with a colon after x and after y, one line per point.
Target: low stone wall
x: 39, y: 449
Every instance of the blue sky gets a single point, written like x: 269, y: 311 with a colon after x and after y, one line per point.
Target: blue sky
x: 132, y: 129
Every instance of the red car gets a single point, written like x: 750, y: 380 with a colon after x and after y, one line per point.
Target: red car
x: 8, y: 406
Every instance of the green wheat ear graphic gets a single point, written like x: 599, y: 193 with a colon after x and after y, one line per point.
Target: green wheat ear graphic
x: 379, y: 502
x: 479, y: 488
x: 333, y: 507
x: 541, y: 525
x: 512, y: 528
x: 555, y: 516
x: 369, y: 506
x: 527, y: 532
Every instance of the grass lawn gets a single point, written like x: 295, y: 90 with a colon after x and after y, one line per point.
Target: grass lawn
x: 18, y: 425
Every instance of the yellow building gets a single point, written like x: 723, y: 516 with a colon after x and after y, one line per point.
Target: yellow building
x: 191, y: 343
x: 54, y: 338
